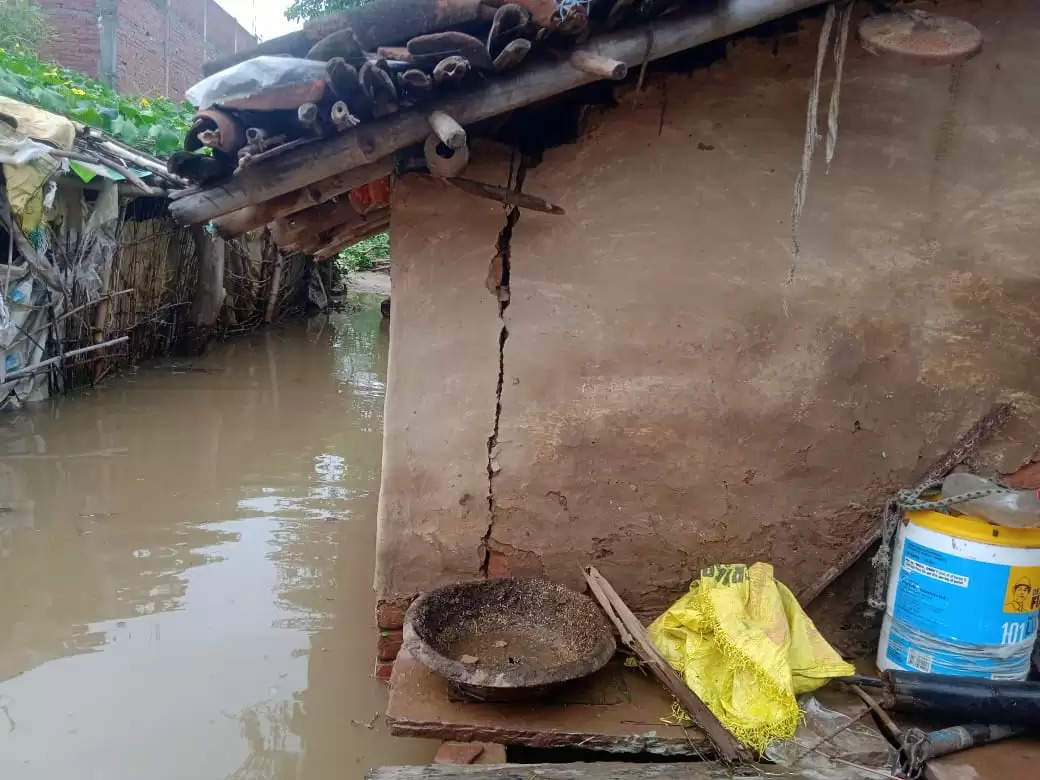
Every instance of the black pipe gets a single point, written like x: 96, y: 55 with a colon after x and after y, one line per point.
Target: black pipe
x: 919, y: 747
x: 965, y: 699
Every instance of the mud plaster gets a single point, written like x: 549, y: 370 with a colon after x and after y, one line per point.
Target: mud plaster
x: 659, y: 411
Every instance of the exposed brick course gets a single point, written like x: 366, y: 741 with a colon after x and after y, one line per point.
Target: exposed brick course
x: 198, y: 30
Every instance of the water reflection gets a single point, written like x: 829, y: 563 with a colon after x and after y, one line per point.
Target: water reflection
x: 185, y: 567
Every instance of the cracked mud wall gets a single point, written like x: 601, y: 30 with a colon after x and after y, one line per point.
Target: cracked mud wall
x: 659, y: 410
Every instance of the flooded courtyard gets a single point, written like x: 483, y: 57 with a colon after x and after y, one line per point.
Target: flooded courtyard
x: 186, y: 562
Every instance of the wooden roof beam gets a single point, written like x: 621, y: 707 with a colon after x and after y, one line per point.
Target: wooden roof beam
x: 372, y: 141
x: 256, y: 216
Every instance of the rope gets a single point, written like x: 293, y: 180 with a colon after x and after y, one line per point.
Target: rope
x: 909, y: 500
x: 563, y: 6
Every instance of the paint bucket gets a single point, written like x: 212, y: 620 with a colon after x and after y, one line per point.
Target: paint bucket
x: 963, y: 598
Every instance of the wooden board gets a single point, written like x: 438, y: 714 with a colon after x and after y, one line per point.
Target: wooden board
x: 602, y: 771
x: 617, y: 710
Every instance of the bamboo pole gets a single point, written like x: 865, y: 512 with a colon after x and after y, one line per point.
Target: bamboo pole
x: 30, y: 370
x: 373, y: 141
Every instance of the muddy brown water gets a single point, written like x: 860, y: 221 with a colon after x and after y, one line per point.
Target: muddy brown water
x: 186, y: 567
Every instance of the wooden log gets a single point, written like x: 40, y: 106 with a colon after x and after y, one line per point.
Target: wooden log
x: 375, y: 140
x: 296, y: 44
x: 634, y: 636
x: 387, y: 21
x: 598, y: 65
x: 451, y: 133
x: 348, y: 233
x: 613, y: 770
x: 334, y: 248
x: 276, y: 285
x: 317, y: 219
x: 252, y: 217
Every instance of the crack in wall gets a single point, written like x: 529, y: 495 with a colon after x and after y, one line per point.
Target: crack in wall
x: 498, y: 283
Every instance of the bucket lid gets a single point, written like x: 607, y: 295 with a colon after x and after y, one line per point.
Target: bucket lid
x: 976, y: 529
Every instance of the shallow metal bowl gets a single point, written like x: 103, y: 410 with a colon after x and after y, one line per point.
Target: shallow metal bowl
x: 505, y: 639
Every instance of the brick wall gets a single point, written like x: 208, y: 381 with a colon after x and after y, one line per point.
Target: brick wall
x: 198, y: 30
x: 75, y: 43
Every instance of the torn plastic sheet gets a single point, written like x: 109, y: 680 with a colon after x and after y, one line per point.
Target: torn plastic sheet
x: 254, y: 77
x: 22, y: 341
x: 814, y: 755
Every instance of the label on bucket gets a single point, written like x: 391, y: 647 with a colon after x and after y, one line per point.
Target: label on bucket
x: 951, y: 613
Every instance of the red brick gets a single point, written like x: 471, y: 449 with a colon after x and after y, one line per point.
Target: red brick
x: 498, y: 564
x: 458, y: 752
x: 141, y: 45
x: 390, y: 615
x: 1026, y: 478
x: 494, y: 753
x: 383, y: 670
x: 389, y: 644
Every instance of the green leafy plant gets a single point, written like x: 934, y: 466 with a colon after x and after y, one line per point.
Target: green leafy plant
x: 23, y: 26
x: 154, y: 125
x: 364, y: 254
x: 302, y: 10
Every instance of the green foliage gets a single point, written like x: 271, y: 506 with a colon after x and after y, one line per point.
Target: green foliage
x: 364, y: 254
x: 157, y: 125
x: 303, y: 10
x: 23, y: 27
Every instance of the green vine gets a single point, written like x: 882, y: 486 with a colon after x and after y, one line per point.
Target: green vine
x: 154, y: 125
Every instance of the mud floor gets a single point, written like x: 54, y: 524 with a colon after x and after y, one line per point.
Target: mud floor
x: 186, y: 567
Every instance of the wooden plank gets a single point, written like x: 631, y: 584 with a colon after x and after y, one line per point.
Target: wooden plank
x: 634, y: 636
x: 342, y: 239
x: 691, y: 770
x: 252, y: 217
x: 617, y: 710
x: 293, y: 228
x: 372, y: 141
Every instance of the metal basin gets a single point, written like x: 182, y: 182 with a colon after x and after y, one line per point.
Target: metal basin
x: 506, y: 639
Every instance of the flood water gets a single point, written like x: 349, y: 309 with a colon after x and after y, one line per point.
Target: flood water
x: 186, y: 564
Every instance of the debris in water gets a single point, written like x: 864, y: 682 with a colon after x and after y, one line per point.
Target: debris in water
x: 501, y: 643
x: 468, y: 659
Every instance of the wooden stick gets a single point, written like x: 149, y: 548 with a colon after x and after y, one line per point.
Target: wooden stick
x: 69, y: 313
x: 634, y: 636
x: 129, y: 175
x: 276, y: 283
x: 451, y: 133
x: 506, y: 195
x: 337, y: 244
x: 313, y: 221
x: 30, y: 370
x: 252, y: 217
x: 598, y: 65
x: 375, y: 140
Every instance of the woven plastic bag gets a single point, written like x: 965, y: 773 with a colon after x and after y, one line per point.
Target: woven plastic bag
x: 746, y: 648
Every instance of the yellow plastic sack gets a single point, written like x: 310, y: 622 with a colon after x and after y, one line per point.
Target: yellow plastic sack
x: 745, y: 647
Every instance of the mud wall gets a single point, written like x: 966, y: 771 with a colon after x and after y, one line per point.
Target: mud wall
x: 658, y: 392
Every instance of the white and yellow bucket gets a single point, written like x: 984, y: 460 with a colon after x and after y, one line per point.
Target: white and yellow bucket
x: 963, y: 598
